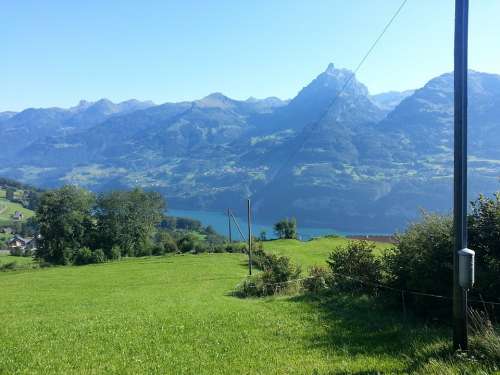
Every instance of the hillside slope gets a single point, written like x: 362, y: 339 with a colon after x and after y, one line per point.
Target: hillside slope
x: 330, y: 158
x: 176, y: 315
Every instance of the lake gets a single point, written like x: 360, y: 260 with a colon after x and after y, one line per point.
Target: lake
x: 218, y: 220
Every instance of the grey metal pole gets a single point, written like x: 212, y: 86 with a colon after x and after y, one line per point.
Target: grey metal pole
x: 460, y: 170
x: 249, y: 237
x: 229, y: 225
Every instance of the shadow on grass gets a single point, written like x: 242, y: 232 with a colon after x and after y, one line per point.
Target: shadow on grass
x: 356, y: 325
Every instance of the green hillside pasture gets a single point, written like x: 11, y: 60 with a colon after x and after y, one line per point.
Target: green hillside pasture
x: 7, y: 209
x: 22, y: 262
x: 314, y: 252
x: 175, y: 315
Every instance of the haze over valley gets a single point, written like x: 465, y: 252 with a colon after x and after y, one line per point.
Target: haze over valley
x: 353, y: 162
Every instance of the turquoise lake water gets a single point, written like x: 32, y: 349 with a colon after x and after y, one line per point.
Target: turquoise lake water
x: 219, y: 221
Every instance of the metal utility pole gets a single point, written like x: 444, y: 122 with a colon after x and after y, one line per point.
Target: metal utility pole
x: 249, y: 237
x: 460, y: 171
x: 229, y: 225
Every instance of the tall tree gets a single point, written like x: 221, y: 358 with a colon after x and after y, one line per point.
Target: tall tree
x: 65, y: 221
x: 127, y: 219
x: 286, y: 228
x: 10, y: 194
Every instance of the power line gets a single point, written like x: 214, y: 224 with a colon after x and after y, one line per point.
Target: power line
x: 306, y: 137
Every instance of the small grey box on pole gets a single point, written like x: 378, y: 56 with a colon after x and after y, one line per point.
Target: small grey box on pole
x: 460, y: 340
x: 249, y: 220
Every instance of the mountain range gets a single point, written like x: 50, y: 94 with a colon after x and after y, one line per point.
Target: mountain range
x: 333, y: 156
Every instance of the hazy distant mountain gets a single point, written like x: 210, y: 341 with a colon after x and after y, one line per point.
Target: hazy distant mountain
x: 331, y: 158
x: 6, y: 115
x: 21, y: 129
x: 387, y: 101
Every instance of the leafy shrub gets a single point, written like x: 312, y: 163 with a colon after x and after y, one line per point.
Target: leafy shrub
x: 98, y: 256
x: 201, y: 247
x: 277, y: 272
x: 8, y: 266
x: 484, y: 238
x: 252, y: 286
x: 422, y: 260
x: 318, y: 279
x: 16, y: 251
x: 115, y: 253
x: 169, y: 245
x: 218, y: 248
x: 145, y: 250
x: 235, y: 247
x: 186, y: 243
x: 354, y: 267
x: 83, y: 256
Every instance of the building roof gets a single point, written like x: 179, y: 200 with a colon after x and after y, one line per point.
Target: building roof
x: 19, y: 238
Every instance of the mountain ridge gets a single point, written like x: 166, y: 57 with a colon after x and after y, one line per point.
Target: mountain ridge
x: 331, y: 155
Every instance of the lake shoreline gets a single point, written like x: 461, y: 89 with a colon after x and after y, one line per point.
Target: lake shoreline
x: 218, y: 220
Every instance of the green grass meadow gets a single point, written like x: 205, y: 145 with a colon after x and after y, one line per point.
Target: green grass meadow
x: 176, y: 315
x: 7, y: 209
x: 314, y: 252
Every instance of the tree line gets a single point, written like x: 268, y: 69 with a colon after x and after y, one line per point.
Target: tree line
x: 76, y: 226
x: 113, y: 224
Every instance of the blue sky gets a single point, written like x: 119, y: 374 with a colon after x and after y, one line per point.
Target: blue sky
x: 58, y: 52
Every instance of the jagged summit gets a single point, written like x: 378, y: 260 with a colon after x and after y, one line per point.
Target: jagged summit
x: 355, y: 164
x: 330, y: 68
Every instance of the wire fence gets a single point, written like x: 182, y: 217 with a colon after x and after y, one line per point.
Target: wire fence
x: 403, y: 292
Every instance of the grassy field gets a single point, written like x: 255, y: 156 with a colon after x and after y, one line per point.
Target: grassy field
x: 7, y: 209
x: 314, y: 252
x: 176, y: 315
x: 24, y: 262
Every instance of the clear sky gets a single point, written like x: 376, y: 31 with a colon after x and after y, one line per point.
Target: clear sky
x: 55, y: 53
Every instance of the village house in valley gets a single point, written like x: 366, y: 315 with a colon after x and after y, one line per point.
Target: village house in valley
x: 18, y: 215
x: 23, y: 243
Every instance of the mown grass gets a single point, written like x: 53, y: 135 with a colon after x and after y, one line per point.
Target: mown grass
x: 313, y: 252
x: 19, y: 260
x: 176, y: 315
x: 9, y: 263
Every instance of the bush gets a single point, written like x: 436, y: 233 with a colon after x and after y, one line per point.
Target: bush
x: 252, y: 286
x: 484, y: 238
x: 16, y: 252
x: 115, y: 253
x: 98, y: 256
x: 83, y: 256
x: 318, y: 280
x: 8, y: 266
x: 235, y: 247
x: 186, y: 243
x: 201, y: 247
x: 218, y: 248
x: 422, y: 260
x: 277, y: 272
x: 354, y: 267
